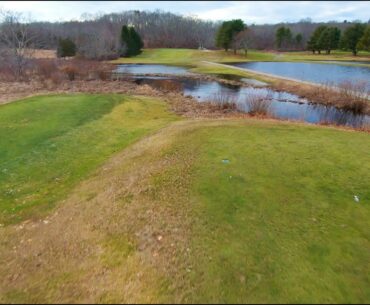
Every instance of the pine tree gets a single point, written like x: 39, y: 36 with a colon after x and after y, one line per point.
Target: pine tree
x: 66, y: 48
x: 329, y: 39
x: 226, y: 34
x: 284, y: 37
x: 352, y: 36
x: 131, y: 42
x: 364, y: 42
x: 313, y: 43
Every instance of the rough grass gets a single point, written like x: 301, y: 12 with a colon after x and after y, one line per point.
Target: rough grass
x: 50, y: 143
x: 167, y: 221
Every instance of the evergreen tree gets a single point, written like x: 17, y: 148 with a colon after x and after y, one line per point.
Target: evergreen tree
x: 364, y: 42
x: 131, y: 43
x: 329, y: 39
x: 298, y: 39
x: 352, y: 36
x: 283, y: 37
x: 313, y: 43
x: 226, y: 34
x: 137, y: 43
x: 66, y: 48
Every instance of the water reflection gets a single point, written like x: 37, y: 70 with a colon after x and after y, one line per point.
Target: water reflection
x: 150, y: 69
x: 313, y: 72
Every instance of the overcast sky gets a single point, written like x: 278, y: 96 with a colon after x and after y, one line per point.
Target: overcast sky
x: 251, y: 11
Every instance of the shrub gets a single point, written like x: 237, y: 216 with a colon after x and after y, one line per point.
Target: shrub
x: 70, y: 71
x: 259, y: 103
x: 354, y: 95
x: 66, y: 48
x: 224, y: 100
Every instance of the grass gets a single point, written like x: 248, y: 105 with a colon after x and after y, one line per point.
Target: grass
x: 171, y: 222
x: 188, y: 57
x: 192, y: 57
x: 277, y: 223
x: 51, y: 143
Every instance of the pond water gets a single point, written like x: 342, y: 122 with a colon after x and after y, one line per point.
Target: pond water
x: 283, y: 105
x: 312, y: 72
x: 150, y: 69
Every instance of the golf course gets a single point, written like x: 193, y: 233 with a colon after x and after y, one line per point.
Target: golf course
x: 175, y: 209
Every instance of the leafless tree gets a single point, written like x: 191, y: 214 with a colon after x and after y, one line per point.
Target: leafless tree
x: 159, y: 29
x: 17, y: 41
x: 245, y: 40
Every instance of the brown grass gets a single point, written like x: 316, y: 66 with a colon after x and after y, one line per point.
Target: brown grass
x: 259, y: 103
x: 43, y: 54
x: 344, y: 98
x: 224, y: 101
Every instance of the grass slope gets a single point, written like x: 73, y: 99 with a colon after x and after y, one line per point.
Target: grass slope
x: 50, y: 143
x: 171, y: 222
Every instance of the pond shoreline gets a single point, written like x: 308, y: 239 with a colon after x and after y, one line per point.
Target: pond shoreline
x: 316, y: 93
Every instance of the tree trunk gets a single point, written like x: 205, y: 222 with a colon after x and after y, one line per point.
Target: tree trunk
x: 319, y: 51
x: 245, y: 52
x: 354, y: 52
x: 234, y: 51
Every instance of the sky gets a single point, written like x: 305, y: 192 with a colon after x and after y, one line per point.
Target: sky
x: 258, y: 12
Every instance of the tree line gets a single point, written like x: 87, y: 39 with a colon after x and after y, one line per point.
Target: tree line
x: 354, y: 38
x: 101, y: 37
x: 236, y: 34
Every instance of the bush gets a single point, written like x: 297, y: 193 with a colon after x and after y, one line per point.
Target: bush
x: 259, y: 103
x: 224, y: 100
x: 66, y: 48
x: 70, y: 72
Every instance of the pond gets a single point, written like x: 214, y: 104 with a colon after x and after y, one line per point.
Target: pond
x: 283, y: 105
x: 150, y: 69
x: 312, y: 72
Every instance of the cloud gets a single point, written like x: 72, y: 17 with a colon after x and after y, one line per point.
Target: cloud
x: 250, y: 11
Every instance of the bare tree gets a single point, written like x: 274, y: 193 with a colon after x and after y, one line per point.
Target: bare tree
x: 245, y: 39
x: 17, y: 42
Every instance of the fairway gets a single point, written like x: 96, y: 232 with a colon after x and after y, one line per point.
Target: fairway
x: 198, y: 211
x: 192, y: 58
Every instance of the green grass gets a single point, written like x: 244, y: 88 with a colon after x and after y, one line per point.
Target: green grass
x: 276, y: 224
x: 192, y: 58
x: 51, y: 143
x: 279, y: 222
x: 182, y: 57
